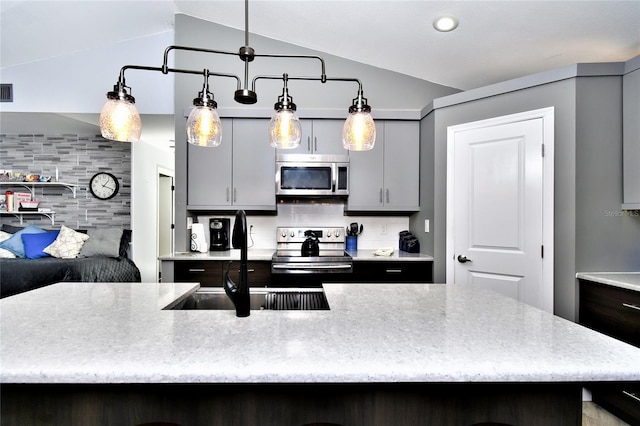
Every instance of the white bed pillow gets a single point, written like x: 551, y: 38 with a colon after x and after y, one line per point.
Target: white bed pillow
x: 4, y: 253
x: 67, y: 245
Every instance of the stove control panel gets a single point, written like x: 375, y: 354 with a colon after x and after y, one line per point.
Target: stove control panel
x: 296, y: 235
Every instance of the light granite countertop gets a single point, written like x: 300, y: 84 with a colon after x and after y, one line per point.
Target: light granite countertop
x: 397, y: 255
x: 233, y: 254
x: 373, y: 333
x: 626, y: 280
x: 266, y: 254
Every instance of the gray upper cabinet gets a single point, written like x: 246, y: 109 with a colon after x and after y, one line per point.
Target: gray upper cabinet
x: 321, y: 136
x: 631, y: 140
x: 238, y: 174
x: 254, y: 165
x: 209, y: 172
x: 387, y: 177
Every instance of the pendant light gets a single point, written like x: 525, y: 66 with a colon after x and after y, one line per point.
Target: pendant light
x: 119, y: 118
x: 285, y: 131
x: 203, y: 125
x: 359, y: 131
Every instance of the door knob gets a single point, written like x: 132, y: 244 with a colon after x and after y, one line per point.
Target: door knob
x: 463, y: 259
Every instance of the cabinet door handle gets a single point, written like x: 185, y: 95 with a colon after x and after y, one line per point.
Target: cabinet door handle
x: 394, y: 271
x: 227, y: 193
x: 387, y: 195
x: 315, y: 143
x: 380, y: 195
x: 235, y: 194
x: 629, y: 305
x: 309, y: 143
x: 196, y: 270
x: 630, y: 395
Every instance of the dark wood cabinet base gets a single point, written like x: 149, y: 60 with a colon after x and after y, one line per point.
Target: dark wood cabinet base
x: 293, y: 404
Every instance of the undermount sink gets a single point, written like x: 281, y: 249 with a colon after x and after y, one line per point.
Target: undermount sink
x: 277, y: 299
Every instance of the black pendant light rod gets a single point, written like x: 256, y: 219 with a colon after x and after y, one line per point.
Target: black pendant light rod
x: 245, y: 53
x: 322, y: 79
x: 165, y: 70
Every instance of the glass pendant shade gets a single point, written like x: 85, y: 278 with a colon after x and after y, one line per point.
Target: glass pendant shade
x: 359, y: 132
x: 120, y: 121
x: 204, y: 127
x: 285, y: 130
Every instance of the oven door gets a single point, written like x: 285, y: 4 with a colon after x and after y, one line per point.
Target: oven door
x: 311, y: 267
x: 297, y: 271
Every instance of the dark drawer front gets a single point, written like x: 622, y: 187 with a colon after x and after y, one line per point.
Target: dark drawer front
x: 258, y: 272
x: 207, y: 273
x: 611, y: 310
x: 621, y: 400
x: 392, y: 272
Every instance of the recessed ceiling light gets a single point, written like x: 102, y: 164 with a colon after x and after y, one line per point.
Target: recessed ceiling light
x: 445, y: 23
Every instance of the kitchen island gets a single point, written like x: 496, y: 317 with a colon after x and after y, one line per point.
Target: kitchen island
x: 398, y: 354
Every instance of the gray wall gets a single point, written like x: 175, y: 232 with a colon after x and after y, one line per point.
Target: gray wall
x: 26, y: 148
x: 427, y: 186
x: 588, y: 177
x: 391, y: 95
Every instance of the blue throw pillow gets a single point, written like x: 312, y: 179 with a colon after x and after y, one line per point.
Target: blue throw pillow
x: 15, y: 244
x: 35, y: 243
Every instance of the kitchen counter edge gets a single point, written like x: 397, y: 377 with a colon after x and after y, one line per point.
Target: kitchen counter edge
x: 266, y: 255
x: 626, y: 280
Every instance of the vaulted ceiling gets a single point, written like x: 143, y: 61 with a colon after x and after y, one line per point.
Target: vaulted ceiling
x: 495, y: 40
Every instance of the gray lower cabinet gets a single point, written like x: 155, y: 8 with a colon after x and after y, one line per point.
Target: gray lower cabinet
x: 386, y: 178
x: 392, y: 272
x: 615, y: 312
x: 210, y: 273
x: 320, y: 136
x: 238, y: 174
x: 631, y: 139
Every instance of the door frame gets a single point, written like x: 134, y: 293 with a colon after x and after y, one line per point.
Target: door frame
x: 164, y: 176
x: 547, y: 116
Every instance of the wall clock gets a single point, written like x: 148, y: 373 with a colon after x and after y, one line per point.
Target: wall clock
x: 104, y: 185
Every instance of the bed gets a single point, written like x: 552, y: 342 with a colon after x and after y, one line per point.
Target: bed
x: 94, y: 256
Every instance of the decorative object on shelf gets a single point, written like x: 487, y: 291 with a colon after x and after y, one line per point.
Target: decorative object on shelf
x: 104, y: 186
x: 9, y: 200
x: 29, y: 206
x: 19, y: 197
x: 120, y: 120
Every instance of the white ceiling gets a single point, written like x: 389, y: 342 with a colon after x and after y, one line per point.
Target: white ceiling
x: 495, y: 40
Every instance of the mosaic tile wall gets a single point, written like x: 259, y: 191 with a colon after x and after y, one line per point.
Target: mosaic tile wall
x: 77, y: 158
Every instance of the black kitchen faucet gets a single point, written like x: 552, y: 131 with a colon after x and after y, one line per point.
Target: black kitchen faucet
x: 239, y: 293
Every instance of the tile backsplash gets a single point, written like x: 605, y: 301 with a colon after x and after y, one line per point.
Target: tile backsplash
x: 378, y: 231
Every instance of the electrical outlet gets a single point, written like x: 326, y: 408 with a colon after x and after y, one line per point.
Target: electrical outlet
x: 383, y: 229
x: 426, y: 225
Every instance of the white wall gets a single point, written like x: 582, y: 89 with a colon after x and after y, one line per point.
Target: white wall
x: 147, y: 162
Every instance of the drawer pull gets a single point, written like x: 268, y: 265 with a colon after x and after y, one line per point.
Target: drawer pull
x: 196, y: 270
x: 629, y: 305
x: 632, y: 396
x: 394, y: 271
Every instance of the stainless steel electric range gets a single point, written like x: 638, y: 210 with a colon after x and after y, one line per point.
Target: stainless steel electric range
x: 291, y: 265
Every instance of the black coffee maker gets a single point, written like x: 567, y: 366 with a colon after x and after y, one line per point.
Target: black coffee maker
x: 219, y: 234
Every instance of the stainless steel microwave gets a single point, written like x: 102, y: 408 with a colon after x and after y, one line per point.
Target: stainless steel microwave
x: 312, y: 175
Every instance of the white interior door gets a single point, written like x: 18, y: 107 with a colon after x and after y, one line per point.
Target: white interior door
x: 496, y: 208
